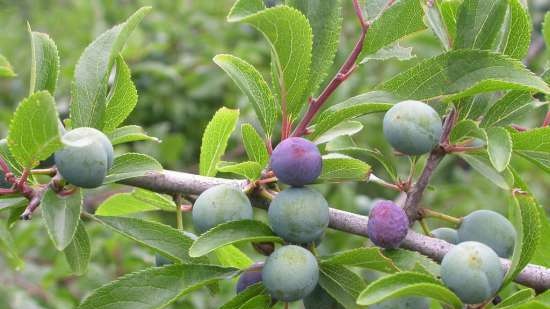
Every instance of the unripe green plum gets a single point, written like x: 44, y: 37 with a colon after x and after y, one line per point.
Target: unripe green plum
x: 490, y: 228
x: 319, y: 299
x: 290, y: 273
x: 472, y: 271
x: 299, y: 215
x: 403, y: 303
x: 218, y: 205
x: 85, y: 158
x: 447, y: 234
x: 412, y: 127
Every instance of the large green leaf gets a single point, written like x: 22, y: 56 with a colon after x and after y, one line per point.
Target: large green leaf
x: 34, y: 132
x: 518, y: 37
x: 339, y: 168
x: 251, y: 83
x: 154, y: 287
x: 5, y: 68
x: 44, y: 63
x: 139, y: 200
x: 463, y: 73
x: 499, y: 147
x: 89, y: 91
x: 231, y: 233
x: 77, y: 253
x: 61, y: 214
x: 123, y: 97
x: 534, y: 145
x: 254, y: 145
x: 341, y: 284
x: 291, y: 40
x: 130, y: 165
x: 371, y: 258
x: 383, y: 30
x: 131, y: 133
x: 325, y: 18
x: 479, y: 23
x: 503, y: 112
x: 407, y: 284
x: 214, y: 139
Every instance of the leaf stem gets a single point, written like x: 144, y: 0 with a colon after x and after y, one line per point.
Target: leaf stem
x: 429, y: 213
x: 375, y: 179
x: 546, y: 121
x: 45, y: 171
x: 179, y: 211
x: 425, y: 227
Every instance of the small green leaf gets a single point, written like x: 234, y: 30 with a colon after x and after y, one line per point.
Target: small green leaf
x: 123, y: 97
x: 347, y: 128
x: 249, y: 169
x: 231, y: 256
x: 382, y: 32
x: 499, y: 147
x: 214, y: 139
x: 44, y: 63
x: 89, y: 91
x: 436, y: 23
x: 479, y: 23
x: 463, y: 73
x: 254, y: 145
x: 413, y: 261
x: 241, y: 298
x: 5, y: 68
x: 231, y: 233
x: 154, y: 287
x: 534, y: 145
x: 339, y: 168
x: 517, y: 298
x: 8, y: 203
x: 473, y: 107
x: 130, y: 165
x: 128, y: 134
x: 407, y: 284
x: 77, y: 253
x: 519, y: 36
x: 479, y: 160
x: 341, y: 284
x: 371, y: 258
x: 466, y: 129
x: 34, y: 131
x: 160, y: 237
x: 139, y: 200
x: 61, y: 214
x: 511, y: 106
x: 253, y: 85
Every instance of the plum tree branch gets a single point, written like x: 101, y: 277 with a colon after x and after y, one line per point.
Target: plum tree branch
x: 171, y: 182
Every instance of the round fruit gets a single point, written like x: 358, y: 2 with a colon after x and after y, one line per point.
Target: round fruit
x: 490, y: 228
x: 319, y: 299
x: 412, y: 127
x: 403, y: 303
x: 472, y: 271
x: 85, y: 158
x: 299, y: 215
x: 290, y: 273
x: 447, y: 234
x: 161, y: 260
x: 388, y: 225
x: 220, y: 204
x: 296, y: 161
x: 252, y: 276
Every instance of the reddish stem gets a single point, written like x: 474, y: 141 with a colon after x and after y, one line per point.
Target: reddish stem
x: 7, y: 191
x: 546, y: 121
x: 519, y: 128
x: 4, y: 166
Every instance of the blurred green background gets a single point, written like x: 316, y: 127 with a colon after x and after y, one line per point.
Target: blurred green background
x: 180, y: 88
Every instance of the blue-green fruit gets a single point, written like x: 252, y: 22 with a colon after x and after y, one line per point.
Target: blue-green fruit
x: 447, y: 234
x: 472, y: 271
x: 490, y: 228
x: 403, y: 303
x: 85, y: 158
x: 299, y: 215
x: 290, y: 273
x: 220, y: 204
x: 412, y: 127
x: 319, y: 299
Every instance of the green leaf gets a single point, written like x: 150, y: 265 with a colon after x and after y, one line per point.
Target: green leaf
x: 473, y: 107
x: 511, y: 106
x: 166, y: 240
x: 258, y: 302
x: 449, y: 13
x: 231, y: 256
x: 44, y: 63
x: 465, y: 130
x: 383, y: 31
x: 8, y: 203
x: 413, y: 261
x: 34, y: 131
x: 479, y: 160
x: 546, y: 28
x: 534, y: 145
x: 479, y: 23
x: 524, y: 217
x: 77, y: 253
x: 89, y: 91
x: 325, y: 18
x: 407, y: 284
x: 123, y: 97
x: 339, y: 168
x: 154, y: 287
x: 363, y: 104
x: 436, y: 23
x: 519, y: 36
x: 214, y: 139
x: 463, y: 73
x: 371, y: 258
x: 347, y: 128
x: 6, y: 154
x: 291, y: 39
x: 499, y: 147
x: 9, y: 250
x: 341, y: 283
x: 61, y: 214
x: 128, y: 134
x: 250, y: 170
x: 517, y: 298
x: 241, y: 298
x: 130, y: 165
x: 139, y: 200
x: 231, y: 233
x: 254, y: 145
x: 251, y: 83
x: 5, y: 68
x: 394, y: 51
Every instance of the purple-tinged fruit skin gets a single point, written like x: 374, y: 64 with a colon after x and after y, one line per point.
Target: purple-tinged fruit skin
x: 388, y: 225
x: 296, y: 161
x: 252, y: 276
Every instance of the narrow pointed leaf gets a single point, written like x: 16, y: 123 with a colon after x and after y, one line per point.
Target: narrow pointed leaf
x: 479, y: 23
x: 61, y: 214
x: 131, y: 133
x: 449, y: 13
x: 130, y: 165
x: 518, y: 37
x: 123, y: 98
x: 44, y: 63
x: 77, y: 253
x: 254, y: 145
x: 436, y: 23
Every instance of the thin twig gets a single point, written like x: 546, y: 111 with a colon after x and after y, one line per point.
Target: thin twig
x: 429, y: 213
x: 179, y: 212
